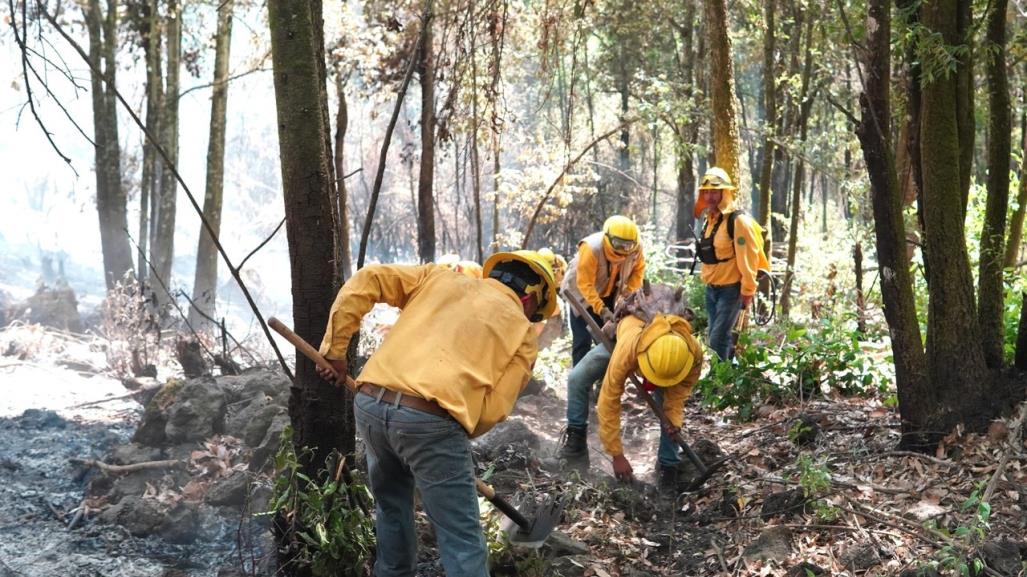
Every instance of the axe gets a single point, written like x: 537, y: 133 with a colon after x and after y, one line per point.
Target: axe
x: 530, y: 533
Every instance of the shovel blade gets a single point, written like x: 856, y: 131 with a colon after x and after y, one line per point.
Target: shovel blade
x: 545, y: 517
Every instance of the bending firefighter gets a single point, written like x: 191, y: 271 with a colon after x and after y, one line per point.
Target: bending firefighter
x: 731, y: 250
x: 608, y: 263
x: 669, y: 359
x: 449, y: 370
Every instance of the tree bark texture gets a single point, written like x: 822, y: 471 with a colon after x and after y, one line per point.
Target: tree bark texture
x: 874, y: 132
x: 964, y: 94
x: 206, y: 276
x: 111, y: 204
x: 991, y: 296
x: 152, y: 40
x: 162, y: 250
x: 426, y: 179
x: 321, y: 414
x: 952, y: 329
x: 722, y: 92
x: 341, y: 123
x: 1016, y: 221
x: 770, y: 122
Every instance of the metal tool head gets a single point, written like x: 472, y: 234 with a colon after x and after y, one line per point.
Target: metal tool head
x: 543, y: 518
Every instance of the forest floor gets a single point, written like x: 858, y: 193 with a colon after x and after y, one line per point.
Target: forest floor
x: 809, y: 488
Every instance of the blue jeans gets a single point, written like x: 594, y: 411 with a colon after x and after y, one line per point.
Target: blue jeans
x: 579, y: 383
x: 723, y: 305
x: 588, y: 370
x: 407, y: 448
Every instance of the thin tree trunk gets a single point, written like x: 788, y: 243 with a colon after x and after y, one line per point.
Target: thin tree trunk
x: 425, y: 181
x: 1016, y: 222
x: 496, y: 151
x: 874, y: 132
x: 964, y: 88
x: 163, y: 249
x: 341, y: 123
x: 992, y: 291
x: 722, y: 92
x: 475, y: 161
x: 770, y: 122
x: 111, y: 204
x: 205, y: 280
x: 152, y: 42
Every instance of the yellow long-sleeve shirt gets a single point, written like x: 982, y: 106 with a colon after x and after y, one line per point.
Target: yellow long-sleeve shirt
x: 633, y: 337
x: 461, y: 342
x: 746, y: 249
x: 587, y: 268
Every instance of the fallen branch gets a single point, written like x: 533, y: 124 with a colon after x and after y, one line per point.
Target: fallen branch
x: 109, y: 469
x: 1014, y: 438
x: 131, y: 395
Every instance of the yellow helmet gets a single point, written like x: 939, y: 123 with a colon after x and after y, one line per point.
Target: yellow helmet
x: 666, y: 361
x: 620, y: 233
x: 556, y: 262
x: 544, y: 289
x: 716, y: 178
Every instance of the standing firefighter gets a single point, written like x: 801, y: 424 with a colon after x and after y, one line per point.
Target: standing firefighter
x: 669, y: 360
x: 731, y: 250
x: 608, y: 263
x: 450, y: 369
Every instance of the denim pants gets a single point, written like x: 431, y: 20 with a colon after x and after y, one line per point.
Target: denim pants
x: 581, y: 338
x: 407, y: 448
x: 723, y: 305
x: 579, y: 383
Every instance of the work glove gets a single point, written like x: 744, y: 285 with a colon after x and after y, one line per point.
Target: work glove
x: 338, y: 373
x: 622, y: 469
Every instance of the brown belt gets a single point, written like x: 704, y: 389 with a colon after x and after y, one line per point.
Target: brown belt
x: 406, y: 400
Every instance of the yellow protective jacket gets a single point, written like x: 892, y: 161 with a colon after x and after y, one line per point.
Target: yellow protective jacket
x: 461, y: 342
x: 634, y: 337
x: 597, y: 272
x: 745, y: 251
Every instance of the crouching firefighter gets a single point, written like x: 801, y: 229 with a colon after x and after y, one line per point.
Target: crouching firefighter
x: 669, y: 359
x: 449, y: 370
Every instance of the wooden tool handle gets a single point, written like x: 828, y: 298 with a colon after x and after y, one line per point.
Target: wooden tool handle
x: 502, y: 504
x: 305, y: 348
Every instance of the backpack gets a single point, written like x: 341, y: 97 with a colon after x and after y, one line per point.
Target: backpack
x: 704, y: 245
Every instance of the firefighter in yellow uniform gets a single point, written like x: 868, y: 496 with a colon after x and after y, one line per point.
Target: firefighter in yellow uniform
x: 669, y: 359
x: 450, y: 369
x: 609, y: 263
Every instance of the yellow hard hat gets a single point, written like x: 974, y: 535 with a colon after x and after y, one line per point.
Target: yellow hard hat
x: 544, y: 290
x: 716, y: 178
x: 666, y: 361
x: 620, y: 233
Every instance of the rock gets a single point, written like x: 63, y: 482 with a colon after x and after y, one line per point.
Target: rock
x: 1003, y: 556
x: 534, y: 386
x: 806, y: 569
x: 134, y: 453
x: 190, y: 356
x: 506, y: 437
x: 784, y: 503
x: 138, y: 516
x: 54, y: 307
x: 230, y: 491
x: 560, y: 545
x: 252, y: 421
x: 255, y: 382
x: 41, y: 419
x: 269, y: 446
x: 804, y: 430
x: 774, y: 543
x: 151, y: 428
x: 859, y: 558
x: 180, y: 524
x: 197, y: 413
x: 570, y: 566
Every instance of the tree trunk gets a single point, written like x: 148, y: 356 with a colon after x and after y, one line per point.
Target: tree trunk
x: 722, y: 92
x: 952, y: 329
x: 1016, y: 222
x: 152, y: 42
x: 963, y: 19
x: 770, y: 122
x: 475, y: 160
x: 205, y: 280
x: 1021, y: 335
x: 686, y: 195
x: 341, y: 123
x: 321, y: 414
x: 111, y: 204
x: 425, y: 204
x: 993, y: 236
x: 874, y: 132
x: 163, y: 249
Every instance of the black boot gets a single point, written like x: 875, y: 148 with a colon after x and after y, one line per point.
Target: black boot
x: 575, y: 444
x: 667, y: 479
